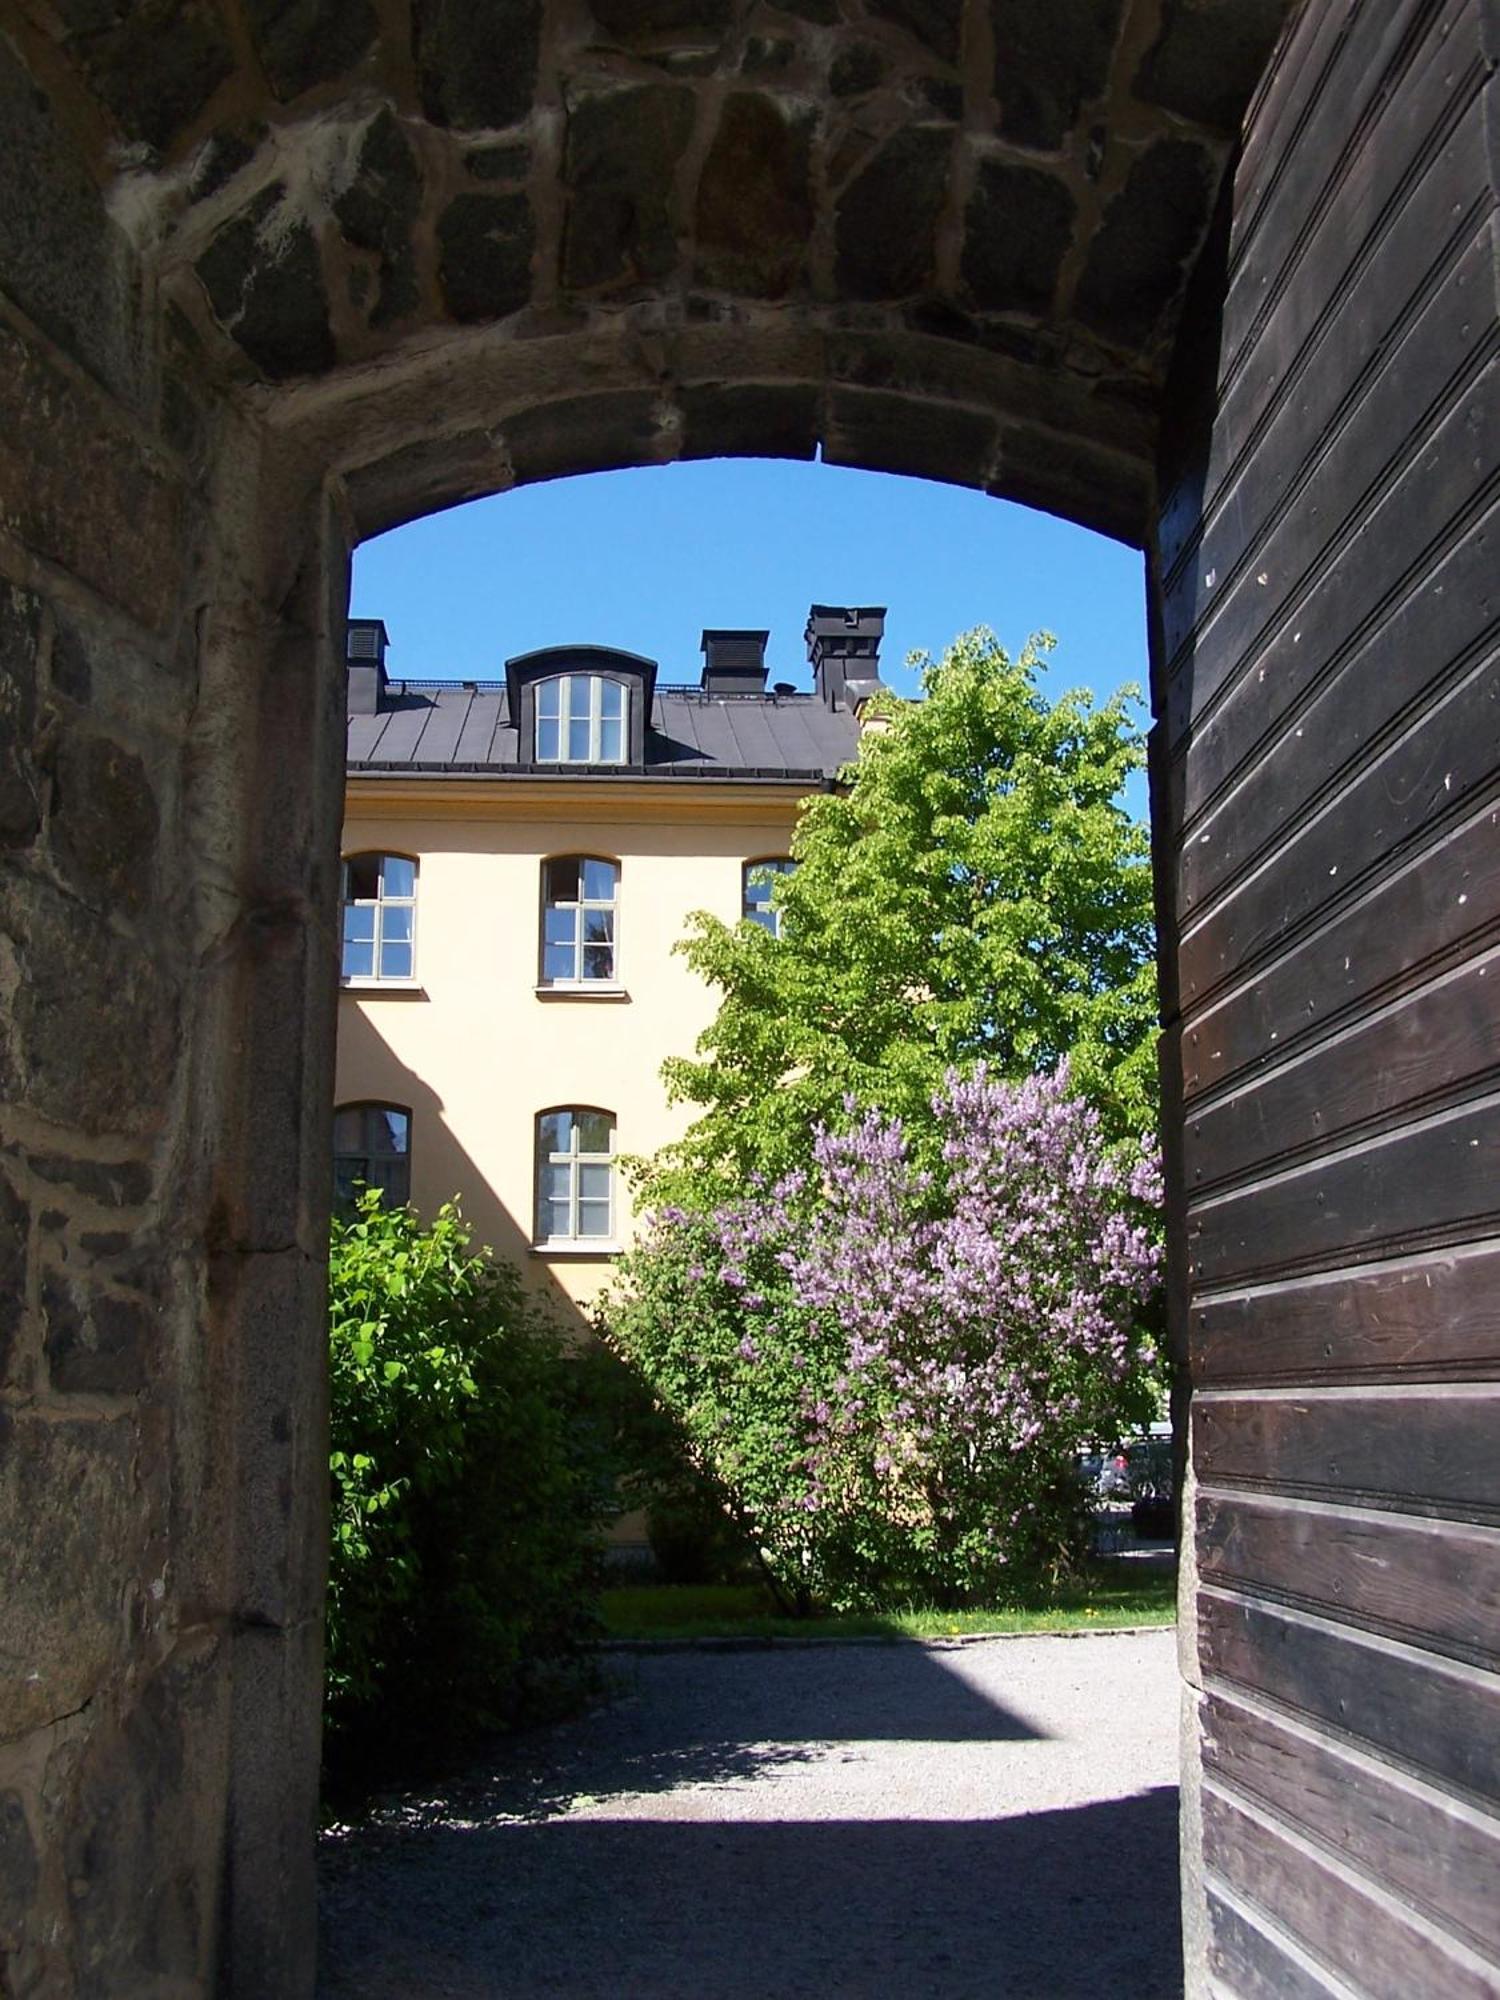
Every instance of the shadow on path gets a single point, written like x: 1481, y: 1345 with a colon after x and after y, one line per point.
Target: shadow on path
x: 834, y: 1823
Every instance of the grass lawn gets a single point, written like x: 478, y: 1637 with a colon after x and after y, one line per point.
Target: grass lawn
x: 1111, y: 1594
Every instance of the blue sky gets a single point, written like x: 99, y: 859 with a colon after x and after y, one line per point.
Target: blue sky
x: 645, y: 559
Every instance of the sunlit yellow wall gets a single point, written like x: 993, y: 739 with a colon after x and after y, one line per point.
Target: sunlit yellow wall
x: 476, y: 1053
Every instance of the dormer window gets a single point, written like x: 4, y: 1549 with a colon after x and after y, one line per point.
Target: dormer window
x: 581, y: 719
x: 580, y: 709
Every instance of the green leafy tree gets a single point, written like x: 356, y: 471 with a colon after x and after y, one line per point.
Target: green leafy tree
x: 467, y: 1487
x: 977, y: 892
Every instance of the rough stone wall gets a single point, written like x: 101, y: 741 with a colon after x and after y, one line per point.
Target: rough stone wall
x: 169, y: 784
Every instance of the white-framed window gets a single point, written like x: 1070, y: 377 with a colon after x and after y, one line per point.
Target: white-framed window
x: 371, y: 1148
x: 580, y: 893
x: 380, y: 917
x: 581, y: 719
x: 575, y: 1176
x: 760, y: 879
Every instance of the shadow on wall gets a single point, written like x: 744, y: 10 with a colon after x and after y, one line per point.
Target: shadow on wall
x: 441, y: 1166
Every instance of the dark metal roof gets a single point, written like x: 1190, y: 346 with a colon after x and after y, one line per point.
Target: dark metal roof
x: 427, y: 728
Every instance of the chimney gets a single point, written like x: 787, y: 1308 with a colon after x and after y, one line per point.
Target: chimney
x: 734, y: 662
x: 364, y: 649
x: 843, y: 643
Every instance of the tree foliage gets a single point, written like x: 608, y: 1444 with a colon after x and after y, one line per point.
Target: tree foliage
x: 976, y: 893
x: 888, y: 1370
x: 466, y: 1489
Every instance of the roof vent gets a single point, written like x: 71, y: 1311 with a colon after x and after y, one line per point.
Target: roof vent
x: 734, y: 662
x: 843, y: 643
x: 364, y: 649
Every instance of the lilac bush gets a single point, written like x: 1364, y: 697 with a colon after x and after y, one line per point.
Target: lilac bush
x: 887, y: 1369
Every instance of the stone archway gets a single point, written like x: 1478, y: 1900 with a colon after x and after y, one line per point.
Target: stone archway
x: 278, y: 276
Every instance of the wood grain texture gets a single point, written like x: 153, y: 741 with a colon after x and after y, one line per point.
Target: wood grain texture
x: 1437, y: 909
x: 1365, y: 1936
x: 1443, y: 1856
x: 1438, y: 1718
x: 1428, y: 1318
x: 1423, y: 1447
x: 1438, y: 1043
x: 1388, y: 1572
x: 1249, y: 1960
x: 1382, y: 249
x: 1434, y: 1181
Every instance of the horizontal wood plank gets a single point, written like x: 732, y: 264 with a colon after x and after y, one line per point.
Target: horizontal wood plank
x: 1250, y: 1962
x: 1379, y: 1949
x: 1437, y: 1181
x: 1340, y: 61
x: 1441, y: 1854
x: 1295, y: 728
x: 1374, y: 251
x: 1437, y: 1042
x: 1401, y: 434
x: 1429, y: 1316
x: 1445, y: 760
x: 1439, y: 1718
x: 1431, y: 1448
x: 1438, y: 906
x: 1394, y: 1573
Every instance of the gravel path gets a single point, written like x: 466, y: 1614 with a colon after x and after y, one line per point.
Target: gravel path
x: 991, y: 1819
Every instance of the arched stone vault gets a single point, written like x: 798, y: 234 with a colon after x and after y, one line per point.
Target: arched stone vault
x: 275, y: 274
x: 920, y: 235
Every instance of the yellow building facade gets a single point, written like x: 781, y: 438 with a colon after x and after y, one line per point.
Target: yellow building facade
x: 521, y: 862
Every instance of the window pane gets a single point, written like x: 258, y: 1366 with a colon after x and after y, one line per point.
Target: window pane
x: 595, y: 1131
x: 593, y: 1182
x: 548, y: 741
x: 362, y: 878
x: 611, y: 743
x: 392, y: 1129
x: 598, y: 925
x: 399, y: 877
x: 559, y: 961
x: 578, y: 740
x: 554, y: 1218
x: 593, y: 1218
x: 395, y: 923
x: 395, y: 960
x: 549, y: 699
x: 578, y: 695
x: 349, y: 1130
x: 555, y: 1129
x: 359, y: 959
x: 598, y: 961
x: 555, y: 1182
x: 347, y: 1176
x: 392, y: 1178
x: 562, y: 879
x: 612, y: 699
x: 599, y: 878
x: 560, y: 925
x: 359, y: 923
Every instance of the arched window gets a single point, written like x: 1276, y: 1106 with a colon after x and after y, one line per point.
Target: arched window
x: 760, y: 880
x: 580, y: 719
x: 371, y: 1148
x: 579, y: 896
x: 380, y: 917
x: 575, y: 1176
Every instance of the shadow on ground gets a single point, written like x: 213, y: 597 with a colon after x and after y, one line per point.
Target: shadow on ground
x: 706, y: 1728
x: 1046, y: 1906
x: 697, y: 1836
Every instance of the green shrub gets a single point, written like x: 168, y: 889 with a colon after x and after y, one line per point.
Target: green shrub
x: 467, y: 1489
